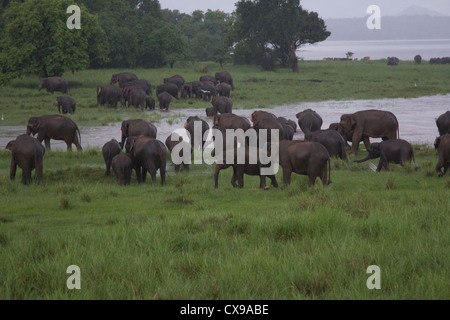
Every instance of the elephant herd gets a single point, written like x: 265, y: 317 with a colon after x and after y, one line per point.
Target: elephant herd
x: 145, y: 153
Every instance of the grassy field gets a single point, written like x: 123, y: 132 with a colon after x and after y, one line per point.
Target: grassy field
x: 341, y: 80
x: 186, y: 240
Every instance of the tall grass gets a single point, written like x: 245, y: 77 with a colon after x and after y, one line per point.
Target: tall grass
x: 188, y: 241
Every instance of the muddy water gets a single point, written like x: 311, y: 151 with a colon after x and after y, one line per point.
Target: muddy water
x: 416, y: 119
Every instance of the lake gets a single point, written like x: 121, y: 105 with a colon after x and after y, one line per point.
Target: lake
x: 416, y: 119
x: 402, y: 49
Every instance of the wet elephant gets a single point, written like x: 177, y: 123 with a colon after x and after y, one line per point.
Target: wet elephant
x: 109, y: 150
x: 208, y: 78
x: 231, y: 121
x: 222, y: 104
x: 27, y: 153
x: 164, y: 100
x: 443, y: 123
x: 223, y: 89
x: 305, y: 158
x: 309, y: 120
x: 136, y: 128
x: 442, y: 144
x: 55, y: 127
x: 369, y: 123
x: 52, y: 84
x: 141, y: 83
x: 190, y: 125
x: 170, y: 88
x: 66, y: 104
x: 122, y: 165
x: 177, y: 79
x: 149, y: 155
x: 396, y: 151
x: 331, y: 140
x: 170, y: 144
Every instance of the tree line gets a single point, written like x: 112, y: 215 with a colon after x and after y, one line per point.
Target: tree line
x: 34, y: 38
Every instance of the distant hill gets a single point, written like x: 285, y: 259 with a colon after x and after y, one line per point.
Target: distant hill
x: 405, y: 27
x: 419, y: 11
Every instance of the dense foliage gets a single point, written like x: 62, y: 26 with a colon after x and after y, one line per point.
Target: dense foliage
x: 34, y: 38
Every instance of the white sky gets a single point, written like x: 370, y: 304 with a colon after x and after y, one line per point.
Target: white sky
x: 325, y: 8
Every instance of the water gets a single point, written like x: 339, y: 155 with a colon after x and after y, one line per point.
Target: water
x: 381, y: 49
x: 416, y: 119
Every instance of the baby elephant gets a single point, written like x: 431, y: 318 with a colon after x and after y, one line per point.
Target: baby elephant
x: 394, y: 150
x: 110, y: 150
x: 67, y: 103
x: 122, y: 165
x: 442, y: 144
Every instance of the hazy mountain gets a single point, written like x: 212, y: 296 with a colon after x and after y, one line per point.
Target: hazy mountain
x: 419, y: 11
x: 405, y: 27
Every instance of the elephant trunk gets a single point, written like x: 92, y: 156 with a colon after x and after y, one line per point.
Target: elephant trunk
x: 363, y: 160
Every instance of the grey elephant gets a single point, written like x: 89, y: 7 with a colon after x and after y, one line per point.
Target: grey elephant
x: 55, y: 127
x: 122, y: 78
x: 109, y: 95
x: 369, y: 123
x: 164, y: 100
x: 177, y: 79
x: 442, y: 144
x: 109, y: 150
x: 136, y: 128
x: 390, y: 151
x: 443, y: 123
x: 52, y: 84
x: 170, y: 144
x: 27, y: 153
x: 122, y: 165
x: 309, y: 120
x: 226, y: 77
x: 331, y: 140
x: 66, y: 105
x: 223, y: 89
x: 168, y: 87
x: 149, y: 155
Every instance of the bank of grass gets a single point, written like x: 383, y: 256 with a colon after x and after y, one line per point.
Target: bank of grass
x: 339, y: 80
x: 188, y: 241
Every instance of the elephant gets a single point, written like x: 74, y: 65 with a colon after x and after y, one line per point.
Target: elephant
x: 164, y: 100
x: 309, y: 120
x: 347, y: 137
x: 393, y: 61
x: 269, y: 124
x: 186, y: 91
x: 226, y: 77
x: 109, y: 95
x: 207, y: 90
x: 150, y: 103
x: 189, y: 125
x: 223, y: 89
x: 170, y: 88
x: 231, y: 121
x: 176, y: 79
x: 222, y: 104
x: 186, y: 146
x: 55, y: 127
x: 260, y: 114
x: 122, y: 165
x: 149, y: 155
x: 288, y: 128
x: 369, y: 123
x: 443, y: 123
x: 331, y: 140
x: 239, y: 169
x: 136, y: 97
x: 141, y: 83
x: 306, y: 158
x: 67, y: 103
x: 418, y: 59
x: 27, y: 153
x: 208, y: 78
x: 109, y: 150
x: 442, y: 144
x: 52, y: 84
x: 122, y: 78
x: 137, y: 128
x: 390, y: 151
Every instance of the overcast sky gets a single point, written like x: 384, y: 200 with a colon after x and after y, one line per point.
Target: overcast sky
x: 325, y: 8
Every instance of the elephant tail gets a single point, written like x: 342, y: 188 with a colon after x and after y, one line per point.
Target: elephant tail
x: 79, y: 137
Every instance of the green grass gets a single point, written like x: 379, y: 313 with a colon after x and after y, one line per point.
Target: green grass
x: 188, y: 241
x: 341, y: 80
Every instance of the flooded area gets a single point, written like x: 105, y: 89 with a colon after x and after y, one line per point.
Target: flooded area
x: 416, y: 119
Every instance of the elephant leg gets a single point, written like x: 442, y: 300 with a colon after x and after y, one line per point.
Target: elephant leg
x: 77, y: 143
x: 380, y: 165
x: 385, y: 163
x: 324, y: 176
x: 47, y: 143
x: 39, y: 170
x: 26, y: 175
x: 69, y: 145
x: 138, y: 170
x: 233, y: 178
x: 216, y: 175
x: 177, y: 168
x: 311, y: 179
x: 162, y: 173
x: 274, y: 182
x: 12, y: 173
x: 287, y: 176
x: 366, y: 143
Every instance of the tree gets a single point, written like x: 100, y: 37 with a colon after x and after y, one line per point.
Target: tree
x: 280, y: 25
x: 38, y: 41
